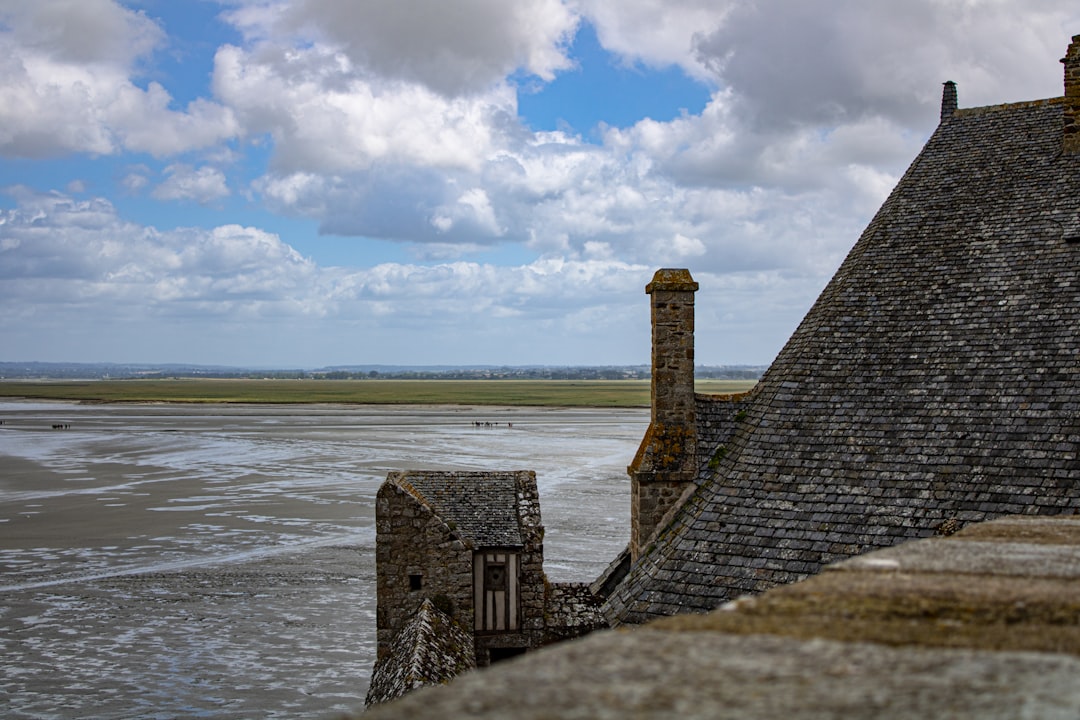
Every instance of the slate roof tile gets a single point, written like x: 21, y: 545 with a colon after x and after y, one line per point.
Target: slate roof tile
x: 486, y: 508
x: 936, y: 377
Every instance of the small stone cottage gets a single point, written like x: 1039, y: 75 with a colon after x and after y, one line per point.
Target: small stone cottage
x: 460, y: 577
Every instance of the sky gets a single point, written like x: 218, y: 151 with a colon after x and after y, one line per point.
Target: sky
x: 314, y: 183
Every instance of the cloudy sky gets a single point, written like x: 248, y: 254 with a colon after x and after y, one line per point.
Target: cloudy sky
x: 326, y: 182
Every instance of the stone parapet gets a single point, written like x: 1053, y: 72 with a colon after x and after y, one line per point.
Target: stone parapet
x: 982, y: 624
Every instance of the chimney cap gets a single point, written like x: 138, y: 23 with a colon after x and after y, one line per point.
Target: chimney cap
x: 1073, y: 51
x: 674, y: 279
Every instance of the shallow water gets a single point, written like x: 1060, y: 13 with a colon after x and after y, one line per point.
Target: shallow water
x: 168, y: 561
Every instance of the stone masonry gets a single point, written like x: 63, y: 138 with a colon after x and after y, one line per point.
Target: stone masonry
x: 983, y: 624
x: 1071, y: 141
x: 439, y: 534
x: 666, y: 459
x: 415, y: 542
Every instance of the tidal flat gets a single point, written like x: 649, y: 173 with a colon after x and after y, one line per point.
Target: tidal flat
x: 161, y: 560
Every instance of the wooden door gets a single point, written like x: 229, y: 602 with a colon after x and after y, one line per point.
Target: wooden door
x: 495, y: 583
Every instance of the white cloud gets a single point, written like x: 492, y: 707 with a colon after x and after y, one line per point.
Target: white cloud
x: 66, y: 84
x: 82, y: 32
x: 792, y: 64
x: 135, y: 178
x: 80, y: 252
x: 399, y: 121
x: 184, y: 182
x: 657, y: 32
x: 326, y: 117
x: 456, y: 48
x: 77, y: 264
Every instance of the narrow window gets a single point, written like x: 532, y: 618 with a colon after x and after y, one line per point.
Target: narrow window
x: 495, y: 576
x: 416, y: 582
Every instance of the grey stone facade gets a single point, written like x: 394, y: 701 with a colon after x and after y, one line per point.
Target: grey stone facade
x: 463, y: 552
x: 934, y: 383
x: 434, y: 527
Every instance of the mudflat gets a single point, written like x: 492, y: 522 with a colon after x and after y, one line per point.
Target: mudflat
x: 162, y: 560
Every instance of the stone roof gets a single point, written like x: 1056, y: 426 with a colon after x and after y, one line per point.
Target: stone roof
x: 431, y: 649
x: 486, y: 508
x: 936, y: 380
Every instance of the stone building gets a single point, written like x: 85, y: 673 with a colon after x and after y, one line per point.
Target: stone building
x: 934, y: 383
x: 460, y: 577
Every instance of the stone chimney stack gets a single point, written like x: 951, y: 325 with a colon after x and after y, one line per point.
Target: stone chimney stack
x: 1071, y: 135
x: 666, y: 461
x: 948, y: 100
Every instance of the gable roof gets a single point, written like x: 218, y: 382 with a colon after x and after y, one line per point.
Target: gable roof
x: 937, y: 377
x: 431, y: 649
x: 484, y: 507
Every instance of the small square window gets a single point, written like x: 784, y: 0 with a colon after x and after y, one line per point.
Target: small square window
x: 416, y: 582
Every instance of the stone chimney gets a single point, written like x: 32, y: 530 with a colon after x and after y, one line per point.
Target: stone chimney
x: 666, y: 461
x: 1071, y: 135
x: 948, y: 100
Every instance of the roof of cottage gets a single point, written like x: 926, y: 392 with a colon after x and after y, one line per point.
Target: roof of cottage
x: 935, y: 380
x: 487, y: 508
x: 430, y: 649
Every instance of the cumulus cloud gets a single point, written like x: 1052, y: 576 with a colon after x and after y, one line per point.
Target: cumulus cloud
x: 77, y: 264
x: 60, y: 250
x: 67, y: 85
x: 82, y: 31
x: 450, y: 48
x: 789, y: 63
x: 325, y: 116
x: 183, y: 182
x: 399, y: 121
x: 657, y: 32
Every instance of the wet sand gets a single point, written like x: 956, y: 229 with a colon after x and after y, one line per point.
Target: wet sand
x: 163, y: 561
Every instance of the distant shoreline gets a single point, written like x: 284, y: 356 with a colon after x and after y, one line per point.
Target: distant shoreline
x: 536, y: 393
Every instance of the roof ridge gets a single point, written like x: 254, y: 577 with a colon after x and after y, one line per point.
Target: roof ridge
x: 1018, y: 105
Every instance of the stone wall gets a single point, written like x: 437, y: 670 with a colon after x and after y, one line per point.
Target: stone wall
x: 666, y: 459
x: 982, y: 624
x: 413, y: 541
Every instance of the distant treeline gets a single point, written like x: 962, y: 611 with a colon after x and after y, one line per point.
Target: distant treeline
x: 70, y: 371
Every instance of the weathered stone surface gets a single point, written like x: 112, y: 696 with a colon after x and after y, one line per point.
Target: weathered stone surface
x: 415, y: 542
x: 435, y: 531
x: 666, y: 461
x: 431, y: 649
x: 863, y: 641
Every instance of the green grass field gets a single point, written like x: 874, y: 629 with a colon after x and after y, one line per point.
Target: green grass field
x: 557, y: 393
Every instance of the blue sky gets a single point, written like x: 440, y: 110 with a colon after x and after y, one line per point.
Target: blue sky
x: 315, y: 182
